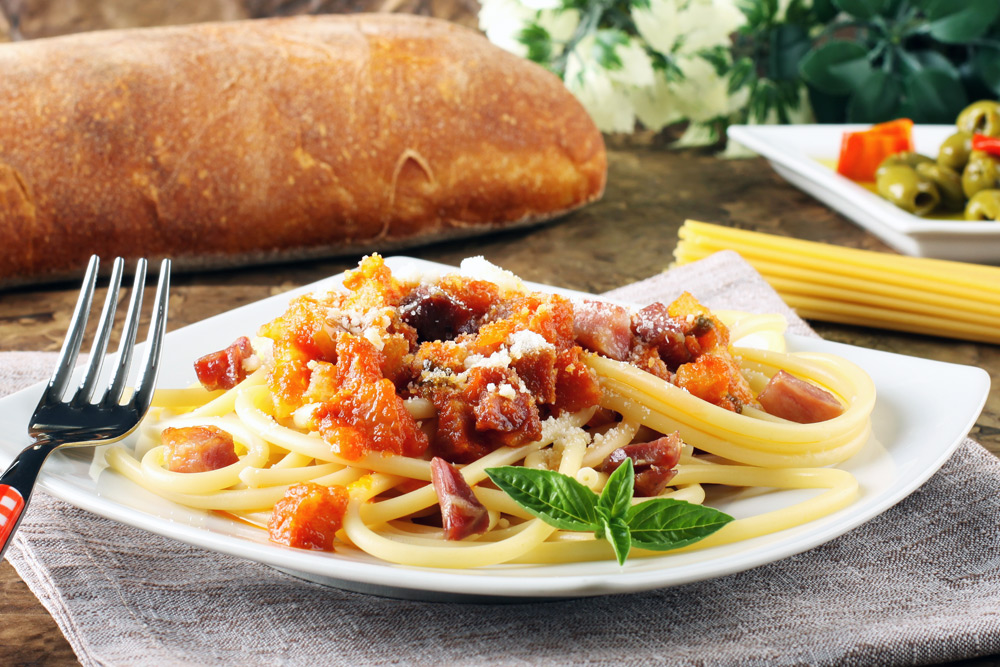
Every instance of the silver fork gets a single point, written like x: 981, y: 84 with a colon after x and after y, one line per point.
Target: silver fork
x: 79, y: 419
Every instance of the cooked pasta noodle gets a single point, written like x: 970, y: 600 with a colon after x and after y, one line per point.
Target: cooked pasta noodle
x: 392, y: 503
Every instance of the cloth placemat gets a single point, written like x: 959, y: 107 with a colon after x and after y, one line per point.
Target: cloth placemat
x: 919, y: 584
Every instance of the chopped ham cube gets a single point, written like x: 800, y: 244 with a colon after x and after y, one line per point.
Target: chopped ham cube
x: 664, y: 452
x: 654, y: 325
x: 224, y: 369
x: 796, y: 400
x: 308, y: 516
x: 604, y: 328
x: 653, y: 461
x: 461, y: 512
x: 198, y: 449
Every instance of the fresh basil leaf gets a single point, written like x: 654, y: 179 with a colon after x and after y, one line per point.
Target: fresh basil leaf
x: 557, y: 499
x: 959, y: 22
x: 833, y: 67
x: 876, y: 100
x: 617, y: 532
x: 663, y: 524
x: 934, y: 97
x: 860, y: 9
x: 616, y: 497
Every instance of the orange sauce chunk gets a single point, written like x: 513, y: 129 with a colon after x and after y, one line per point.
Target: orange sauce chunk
x: 308, y: 516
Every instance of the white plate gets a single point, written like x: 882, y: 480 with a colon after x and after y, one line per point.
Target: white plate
x: 924, y: 409
x: 798, y: 154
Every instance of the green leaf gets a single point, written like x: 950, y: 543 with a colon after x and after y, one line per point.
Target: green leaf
x: 934, y: 97
x: 538, y: 41
x: 959, y: 21
x: 986, y: 64
x: 616, y: 497
x: 789, y: 45
x: 663, y: 524
x: 834, y: 67
x: 617, y: 532
x: 759, y: 13
x: 556, y: 499
x: 605, y: 44
x: 860, y: 9
x: 877, y: 100
x: 929, y: 59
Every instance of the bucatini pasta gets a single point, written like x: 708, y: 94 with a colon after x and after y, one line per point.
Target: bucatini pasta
x: 368, y: 417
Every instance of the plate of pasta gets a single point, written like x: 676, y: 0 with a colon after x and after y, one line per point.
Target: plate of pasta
x: 430, y: 432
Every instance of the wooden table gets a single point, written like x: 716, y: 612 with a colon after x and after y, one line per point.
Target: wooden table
x: 629, y: 235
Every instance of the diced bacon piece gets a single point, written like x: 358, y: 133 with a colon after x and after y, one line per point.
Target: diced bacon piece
x: 788, y: 397
x: 308, y: 516
x: 502, y: 410
x: 462, y: 514
x: 664, y: 452
x: 436, y: 315
x: 604, y: 328
x: 456, y: 438
x: 577, y: 387
x: 198, y: 449
x: 653, y: 461
x: 654, y: 325
x: 538, y: 370
x: 224, y: 369
x: 651, y: 481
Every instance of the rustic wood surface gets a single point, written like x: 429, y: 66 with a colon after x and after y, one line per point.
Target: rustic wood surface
x: 627, y: 236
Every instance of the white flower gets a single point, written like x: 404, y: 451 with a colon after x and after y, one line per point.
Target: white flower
x: 637, y: 68
x: 705, y: 24
x: 604, y: 99
x: 560, y: 24
x: 539, y: 5
x: 703, y: 94
x: 656, y: 106
x: 697, y: 134
x: 503, y: 21
x: 658, y: 24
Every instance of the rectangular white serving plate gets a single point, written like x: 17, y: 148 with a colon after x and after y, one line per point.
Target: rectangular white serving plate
x: 801, y: 155
x: 923, y: 411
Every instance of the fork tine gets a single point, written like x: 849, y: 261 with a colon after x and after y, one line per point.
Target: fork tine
x: 146, y: 383
x: 127, y: 342
x: 100, y: 345
x: 74, y: 336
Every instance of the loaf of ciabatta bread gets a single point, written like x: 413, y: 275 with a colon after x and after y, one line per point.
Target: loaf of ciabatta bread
x: 230, y: 143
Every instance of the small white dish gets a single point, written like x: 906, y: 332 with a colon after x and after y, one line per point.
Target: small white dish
x: 802, y: 155
x: 923, y: 411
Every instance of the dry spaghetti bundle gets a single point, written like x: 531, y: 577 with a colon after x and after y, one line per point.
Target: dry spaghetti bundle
x: 861, y: 287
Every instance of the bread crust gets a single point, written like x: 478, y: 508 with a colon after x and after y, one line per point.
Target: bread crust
x: 267, y: 140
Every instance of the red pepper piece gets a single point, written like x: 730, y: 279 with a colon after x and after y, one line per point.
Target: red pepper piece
x: 981, y: 142
x: 862, y: 152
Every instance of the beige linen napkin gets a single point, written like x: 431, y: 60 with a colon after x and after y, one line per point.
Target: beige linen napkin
x: 918, y: 584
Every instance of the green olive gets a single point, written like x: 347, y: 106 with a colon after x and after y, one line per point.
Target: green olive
x: 905, y: 188
x: 954, y: 152
x: 902, y: 159
x: 982, y: 117
x: 984, y: 206
x: 948, y: 183
x: 981, y: 173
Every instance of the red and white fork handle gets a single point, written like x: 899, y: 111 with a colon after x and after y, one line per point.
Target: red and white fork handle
x: 11, y: 506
